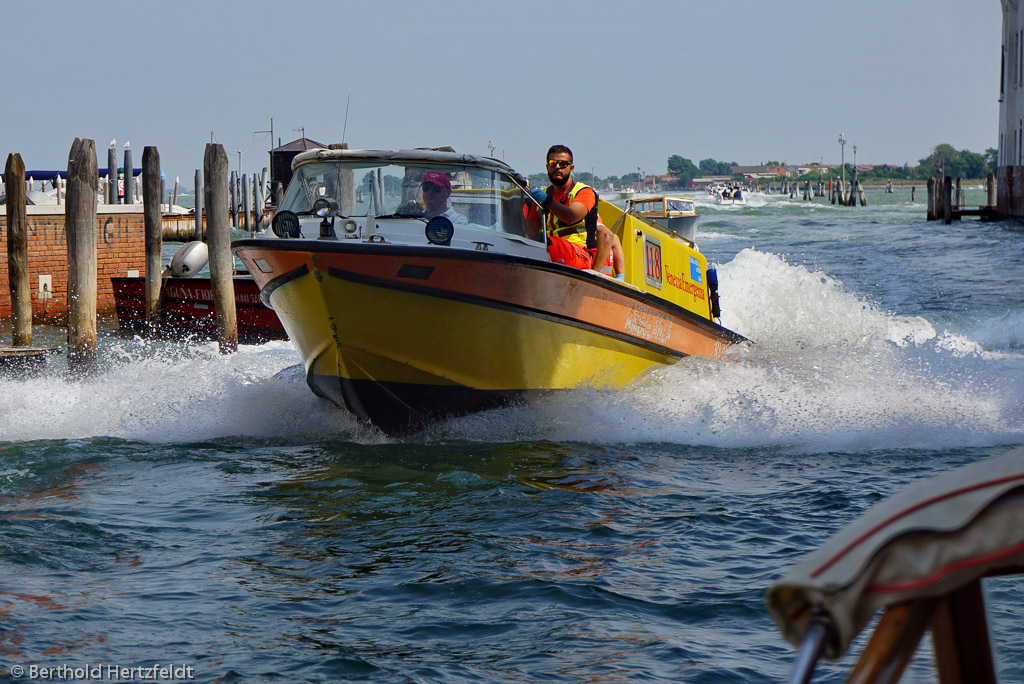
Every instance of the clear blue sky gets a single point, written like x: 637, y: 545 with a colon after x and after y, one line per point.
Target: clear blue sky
x: 625, y: 84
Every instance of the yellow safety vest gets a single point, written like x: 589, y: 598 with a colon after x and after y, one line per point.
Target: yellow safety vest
x: 583, y: 231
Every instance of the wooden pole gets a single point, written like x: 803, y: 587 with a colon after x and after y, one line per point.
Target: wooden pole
x: 111, y: 176
x: 990, y: 189
x: 947, y: 199
x: 245, y: 203
x: 257, y: 203
x: 215, y: 165
x: 233, y: 189
x: 958, y: 201
x: 154, y: 233
x: 80, y: 227
x: 174, y: 198
x: 930, y: 212
x: 129, y: 178
x: 199, y: 204
x: 17, y: 252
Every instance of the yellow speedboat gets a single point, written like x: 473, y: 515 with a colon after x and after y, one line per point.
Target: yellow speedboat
x: 675, y: 214
x: 403, y: 318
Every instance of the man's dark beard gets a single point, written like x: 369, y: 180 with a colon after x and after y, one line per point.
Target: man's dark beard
x: 553, y: 181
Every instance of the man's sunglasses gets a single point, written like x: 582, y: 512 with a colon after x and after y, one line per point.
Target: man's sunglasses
x: 559, y: 163
x: 430, y: 187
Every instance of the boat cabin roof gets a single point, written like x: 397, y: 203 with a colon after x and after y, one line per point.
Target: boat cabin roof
x: 415, y: 156
x: 662, y: 204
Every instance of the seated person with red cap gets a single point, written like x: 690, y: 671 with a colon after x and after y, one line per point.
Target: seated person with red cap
x: 437, y: 188
x: 575, y: 235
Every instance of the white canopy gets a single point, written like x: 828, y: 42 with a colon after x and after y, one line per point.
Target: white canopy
x: 405, y: 156
x: 935, y: 536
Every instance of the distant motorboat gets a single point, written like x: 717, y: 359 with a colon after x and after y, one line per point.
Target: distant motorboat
x: 677, y: 215
x: 725, y: 194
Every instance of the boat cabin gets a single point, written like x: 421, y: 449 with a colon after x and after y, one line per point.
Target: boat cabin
x: 662, y: 207
x: 675, y: 215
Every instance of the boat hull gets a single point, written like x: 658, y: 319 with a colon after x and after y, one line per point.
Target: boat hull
x: 405, y: 335
x: 187, y: 309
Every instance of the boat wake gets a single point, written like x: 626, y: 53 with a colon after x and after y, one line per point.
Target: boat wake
x: 827, y: 371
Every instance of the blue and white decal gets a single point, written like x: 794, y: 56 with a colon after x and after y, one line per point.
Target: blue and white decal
x: 695, y: 274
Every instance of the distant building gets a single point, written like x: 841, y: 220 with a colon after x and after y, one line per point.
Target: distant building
x: 1010, y: 194
x: 756, y: 172
x: 704, y: 181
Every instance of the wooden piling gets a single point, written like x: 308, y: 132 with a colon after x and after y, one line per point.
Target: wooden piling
x: 80, y: 228
x: 245, y: 203
x: 154, y: 233
x: 199, y: 204
x: 111, y: 176
x: 129, y: 178
x: 257, y: 202
x: 861, y: 195
x: 990, y: 189
x: 174, y: 198
x: 233, y: 190
x: 17, y: 252
x: 958, y: 197
x: 947, y: 199
x: 215, y: 166
x: 913, y: 192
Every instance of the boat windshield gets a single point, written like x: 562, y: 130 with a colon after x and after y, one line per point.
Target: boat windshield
x: 482, y: 197
x: 680, y: 205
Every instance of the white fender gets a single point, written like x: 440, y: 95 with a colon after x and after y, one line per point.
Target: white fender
x: 188, y: 260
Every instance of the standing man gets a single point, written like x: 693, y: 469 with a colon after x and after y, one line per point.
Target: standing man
x: 575, y: 235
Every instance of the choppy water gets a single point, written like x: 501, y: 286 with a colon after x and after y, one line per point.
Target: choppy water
x: 186, y: 508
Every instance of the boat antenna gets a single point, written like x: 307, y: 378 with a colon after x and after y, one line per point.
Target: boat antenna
x: 345, y: 126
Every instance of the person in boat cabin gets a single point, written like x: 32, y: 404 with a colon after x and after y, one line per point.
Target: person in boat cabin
x: 575, y: 235
x: 437, y: 188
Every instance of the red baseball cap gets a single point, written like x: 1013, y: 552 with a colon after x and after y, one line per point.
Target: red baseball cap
x: 438, y: 178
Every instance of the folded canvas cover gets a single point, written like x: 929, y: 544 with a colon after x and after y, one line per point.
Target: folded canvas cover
x: 935, y: 536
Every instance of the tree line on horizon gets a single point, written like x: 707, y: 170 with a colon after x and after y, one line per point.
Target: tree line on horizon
x: 944, y: 160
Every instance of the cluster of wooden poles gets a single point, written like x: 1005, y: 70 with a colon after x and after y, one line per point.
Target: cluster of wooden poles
x: 848, y: 197
x: 946, y: 200
x: 80, y: 227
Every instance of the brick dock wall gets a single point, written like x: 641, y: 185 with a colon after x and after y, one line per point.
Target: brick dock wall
x: 120, y: 247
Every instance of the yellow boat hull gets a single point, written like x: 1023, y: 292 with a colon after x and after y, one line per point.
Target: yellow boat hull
x: 402, y: 335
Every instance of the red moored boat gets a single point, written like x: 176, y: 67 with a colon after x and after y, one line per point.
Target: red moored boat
x: 187, y: 306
